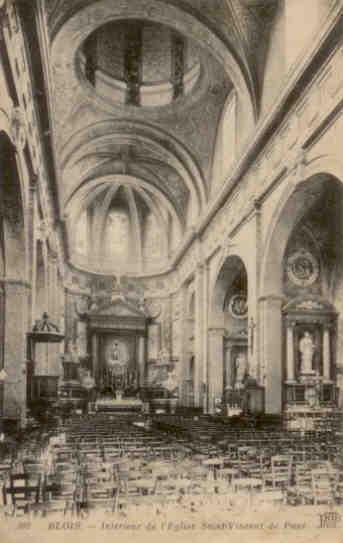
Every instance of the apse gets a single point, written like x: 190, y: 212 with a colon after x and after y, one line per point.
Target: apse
x: 122, y: 228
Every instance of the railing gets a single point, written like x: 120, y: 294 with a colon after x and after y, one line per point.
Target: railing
x: 302, y: 393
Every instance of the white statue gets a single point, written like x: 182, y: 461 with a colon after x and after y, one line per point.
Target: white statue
x: 307, y: 349
x: 241, y: 364
x: 114, y: 357
x: 171, y: 382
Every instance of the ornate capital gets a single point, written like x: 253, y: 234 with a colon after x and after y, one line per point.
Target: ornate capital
x: 298, y: 164
x: 216, y: 331
x: 15, y: 282
x: 42, y: 231
x: 33, y: 182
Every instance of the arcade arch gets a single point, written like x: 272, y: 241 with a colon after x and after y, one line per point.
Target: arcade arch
x: 228, y: 321
x: 301, y: 287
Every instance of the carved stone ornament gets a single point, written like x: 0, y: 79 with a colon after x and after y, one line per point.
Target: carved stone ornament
x: 302, y: 268
x: 18, y: 130
x: 310, y: 305
x: 154, y: 308
x: 238, y: 306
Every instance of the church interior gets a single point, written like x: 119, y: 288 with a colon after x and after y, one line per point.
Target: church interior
x: 171, y: 258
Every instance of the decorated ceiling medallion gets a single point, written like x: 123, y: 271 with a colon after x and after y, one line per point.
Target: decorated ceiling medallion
x: 302, y: 268
x: 238, y: 306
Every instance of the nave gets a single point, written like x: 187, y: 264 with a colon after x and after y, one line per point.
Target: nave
x: 171, y: 260
x: 123, y: 465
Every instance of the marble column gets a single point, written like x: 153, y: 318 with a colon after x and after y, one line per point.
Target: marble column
x: 95, y: 348
x: 272, y: 352
x: 227, y: 365
x: 215, y: 366
x: 2, y: 323
x: 199, y: 335
x: 31, y: 243
x: 16, y: 301
x: 81, y: 332
x: 183, y: 366
x: 326, y: 354
x: 205, y: 338
x: 54, y: 349
x: 290, y: 353
x: 141, y: 360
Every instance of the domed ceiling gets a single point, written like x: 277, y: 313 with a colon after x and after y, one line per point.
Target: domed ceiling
x: 137, y: 93
x: 140, y: 63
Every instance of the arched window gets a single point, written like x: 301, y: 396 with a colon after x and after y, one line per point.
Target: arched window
x: 152, y: 238
x: 82, y: 234
x: 118, y: 234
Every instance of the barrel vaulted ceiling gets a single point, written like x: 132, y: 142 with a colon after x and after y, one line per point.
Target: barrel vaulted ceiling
x: 137, y: 90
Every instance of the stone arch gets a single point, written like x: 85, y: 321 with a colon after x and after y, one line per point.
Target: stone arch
x: 298, y: 198
x: 12, y: 212
x: 230, y: 269
x: 223, y: 276
x: 291, y: 207
x: 166, y: 149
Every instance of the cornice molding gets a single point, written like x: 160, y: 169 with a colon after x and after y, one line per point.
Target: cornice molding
x: 4, y: 281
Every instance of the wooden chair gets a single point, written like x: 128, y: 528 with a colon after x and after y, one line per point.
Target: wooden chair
x: 280, y: 473
x: 21, y: 494
x: 323, y: 490
x: 301, y: 491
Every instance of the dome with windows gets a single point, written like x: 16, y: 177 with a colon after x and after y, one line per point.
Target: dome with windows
x: 139, y: 63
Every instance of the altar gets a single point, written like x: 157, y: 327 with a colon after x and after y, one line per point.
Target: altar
x: 117, y: 332
x: 119, y: 405
x: 310, y: 365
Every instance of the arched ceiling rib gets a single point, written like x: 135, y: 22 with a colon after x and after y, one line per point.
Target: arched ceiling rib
x: 151, y: 204
x: 100, y: 218
x: 137, y: 233
x: 151, y: 143
x: 169, y: 168
x: 87, y: 190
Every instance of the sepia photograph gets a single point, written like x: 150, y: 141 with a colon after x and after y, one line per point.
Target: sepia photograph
x: 171, y: 271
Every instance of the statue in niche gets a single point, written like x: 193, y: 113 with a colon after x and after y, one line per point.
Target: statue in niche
x: 307, y: 349
x: 171, y: 383
x: 240, y: 369
x: 117, y: 369
x: 115, y: 354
